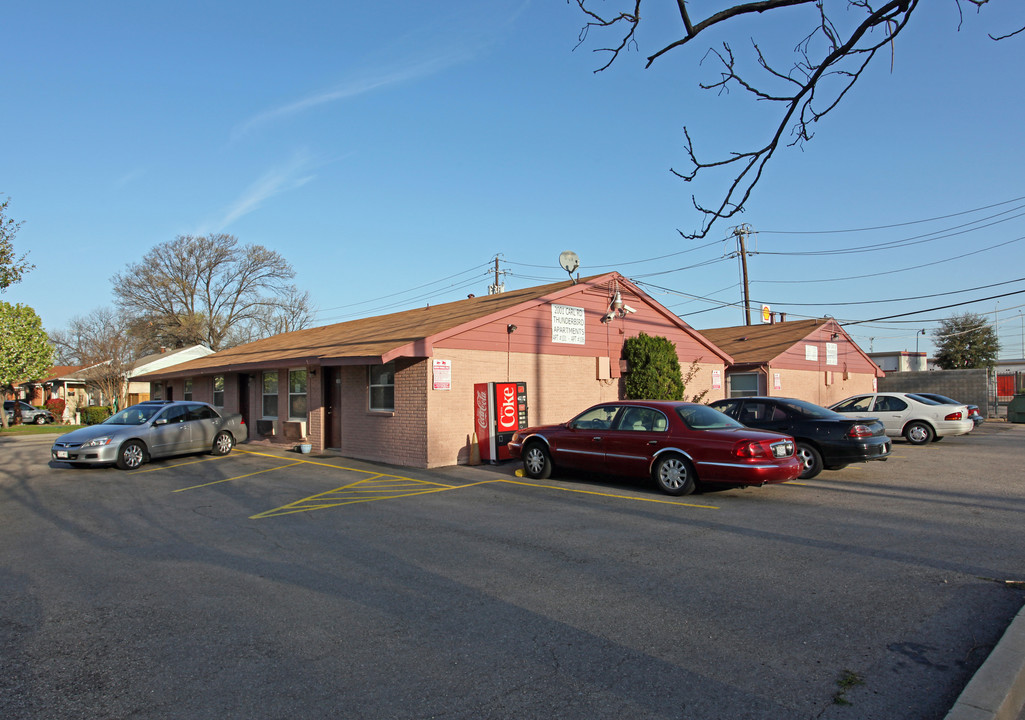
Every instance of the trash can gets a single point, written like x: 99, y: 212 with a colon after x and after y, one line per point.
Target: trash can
x: 1016, y: 409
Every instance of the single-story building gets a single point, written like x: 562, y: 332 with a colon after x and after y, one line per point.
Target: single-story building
x: 400, y: 388
x: 60, y: 381
x: 139, y: 391
x: 814, y: 360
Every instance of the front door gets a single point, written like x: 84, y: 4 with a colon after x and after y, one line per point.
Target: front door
x: 332, y: 407
x: 243, y: 397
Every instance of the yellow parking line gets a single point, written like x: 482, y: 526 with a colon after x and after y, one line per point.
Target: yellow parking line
x: 171, y: 467
x: 237, y: 477
x: 365, y: 490
x: 612, y: 495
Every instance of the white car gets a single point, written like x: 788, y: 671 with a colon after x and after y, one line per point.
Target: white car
x: 918, y: 419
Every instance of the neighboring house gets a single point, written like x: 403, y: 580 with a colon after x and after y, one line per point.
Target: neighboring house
x: 60, y: 381
x: 901, y: 361
x: 399, y: 388
x: 139, y: 391
x: 814, y: 360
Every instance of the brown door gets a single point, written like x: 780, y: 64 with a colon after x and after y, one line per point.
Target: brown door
x: 243, y: 397
x: 332, y: 407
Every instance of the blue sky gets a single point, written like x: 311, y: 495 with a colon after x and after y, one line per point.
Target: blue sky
x: 391, y: 150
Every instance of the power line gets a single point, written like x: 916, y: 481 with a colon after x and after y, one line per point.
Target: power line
x: 895, y: 225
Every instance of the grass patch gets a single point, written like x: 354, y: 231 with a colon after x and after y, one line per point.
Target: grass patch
x: 847, y: 680
x: 51, y: 429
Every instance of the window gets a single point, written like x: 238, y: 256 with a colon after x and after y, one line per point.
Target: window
x: 175, y: 414
x: 643, y: 420
x: 599, y: 418
x: 382, y: 387
x: 743, y: 384
x: 297, y: 394
x: 156, y: 392
x: 218, y: 391
x: 187, y: 395
x: 270, y: 394
x: 202, y: 412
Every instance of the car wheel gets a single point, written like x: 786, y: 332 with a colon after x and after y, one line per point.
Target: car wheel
x: 537, y: 462
x: 674, y: 475
x: 40, y: 420
x: 918, y: 434
x: 811, y: 461
x: 837, y: 467
x: 131, y: 456
x: 223, y: 443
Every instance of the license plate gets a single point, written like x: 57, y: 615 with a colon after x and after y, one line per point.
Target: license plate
x: 62, y: 453
x: 780, y: 451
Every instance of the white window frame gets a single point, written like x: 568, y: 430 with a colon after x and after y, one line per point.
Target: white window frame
x: 371, y: 386
x: 264, y: 395
x: 217, y: 392
x: 187, y: 390
x: 304, y: 394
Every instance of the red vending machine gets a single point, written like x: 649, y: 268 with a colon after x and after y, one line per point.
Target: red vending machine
x: 500, y: 409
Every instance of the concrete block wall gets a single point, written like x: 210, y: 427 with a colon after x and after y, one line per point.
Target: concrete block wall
x: 967, y: 386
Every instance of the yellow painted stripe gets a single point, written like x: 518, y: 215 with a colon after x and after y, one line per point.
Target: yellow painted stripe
x: 237, y: 477
x: 612, y: 495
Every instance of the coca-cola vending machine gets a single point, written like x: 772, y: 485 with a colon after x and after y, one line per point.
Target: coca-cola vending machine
x: 500, y: 409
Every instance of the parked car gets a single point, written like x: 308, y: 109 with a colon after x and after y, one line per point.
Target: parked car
x: 680, y: 445
x: 29, y: 414
x: 825, y: 439
x: 151, y: 429
x: 919, y: 420
x: 973, y: 410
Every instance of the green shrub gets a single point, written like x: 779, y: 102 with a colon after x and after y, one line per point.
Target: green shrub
x: 653, y: 369
x: 94, y: 414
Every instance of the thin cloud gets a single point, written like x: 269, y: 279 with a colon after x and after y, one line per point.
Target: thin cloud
x: 350, y: 89
x: 275, y: 181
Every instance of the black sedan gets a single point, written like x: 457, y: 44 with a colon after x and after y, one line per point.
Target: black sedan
x: 825, y: 439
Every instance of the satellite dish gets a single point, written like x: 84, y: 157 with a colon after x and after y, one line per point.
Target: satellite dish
x: 569, y: 262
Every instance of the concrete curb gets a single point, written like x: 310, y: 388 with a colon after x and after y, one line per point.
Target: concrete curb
x: 997, y: 691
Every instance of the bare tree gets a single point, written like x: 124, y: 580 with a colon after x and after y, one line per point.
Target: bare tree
x: 210, y: 290
x: 102, y: 342
x: 839, y: 41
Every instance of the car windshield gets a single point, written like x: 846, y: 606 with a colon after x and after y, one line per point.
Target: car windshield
x: 924, y: 400
x: 811, y: 410
x: 134, y: 415
x: 702, y: 417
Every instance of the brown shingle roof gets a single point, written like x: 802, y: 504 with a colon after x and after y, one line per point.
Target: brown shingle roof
x: 754, y: 344
x: 370, y: 338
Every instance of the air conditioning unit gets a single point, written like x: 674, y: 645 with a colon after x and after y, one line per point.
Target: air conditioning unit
x: 266, y: 428
x: 294, y: 429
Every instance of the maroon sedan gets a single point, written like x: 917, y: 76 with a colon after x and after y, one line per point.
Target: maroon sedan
x: 678, y: 444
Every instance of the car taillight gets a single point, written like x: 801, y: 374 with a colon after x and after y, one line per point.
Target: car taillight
x: 973, y: 411
x: 860, y: 431
x: 753, y: 449
x: 953, y: 416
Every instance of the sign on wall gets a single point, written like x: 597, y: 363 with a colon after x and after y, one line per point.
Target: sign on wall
x: 442, y: 374
x: 811, y: 352
x: 716, y: 380
x: 567, y: 324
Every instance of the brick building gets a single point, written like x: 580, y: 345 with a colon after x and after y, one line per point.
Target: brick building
x: 399, y: 388
x: 814, y: 360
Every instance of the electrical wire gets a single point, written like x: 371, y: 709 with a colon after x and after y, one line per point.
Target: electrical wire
x: 895, y: 225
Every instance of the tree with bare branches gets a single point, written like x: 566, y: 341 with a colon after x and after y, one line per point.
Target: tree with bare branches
x: 209, y: 290
x: 102, y: 342
x: 839, y: 40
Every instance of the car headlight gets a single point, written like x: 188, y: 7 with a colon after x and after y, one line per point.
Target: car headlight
x: 97, y: 442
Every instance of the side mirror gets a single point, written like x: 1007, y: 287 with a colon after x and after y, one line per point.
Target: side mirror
x: 160, y: 421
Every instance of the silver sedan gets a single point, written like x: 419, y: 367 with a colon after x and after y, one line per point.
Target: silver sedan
x: 149, y: 430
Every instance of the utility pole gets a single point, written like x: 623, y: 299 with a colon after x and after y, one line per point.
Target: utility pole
x: 741, y: 232
x: 497, y: 287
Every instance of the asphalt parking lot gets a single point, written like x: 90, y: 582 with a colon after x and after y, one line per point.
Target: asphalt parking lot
x: 271, y: 584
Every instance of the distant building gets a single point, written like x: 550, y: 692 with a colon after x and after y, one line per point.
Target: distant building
x: 901, y: 361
